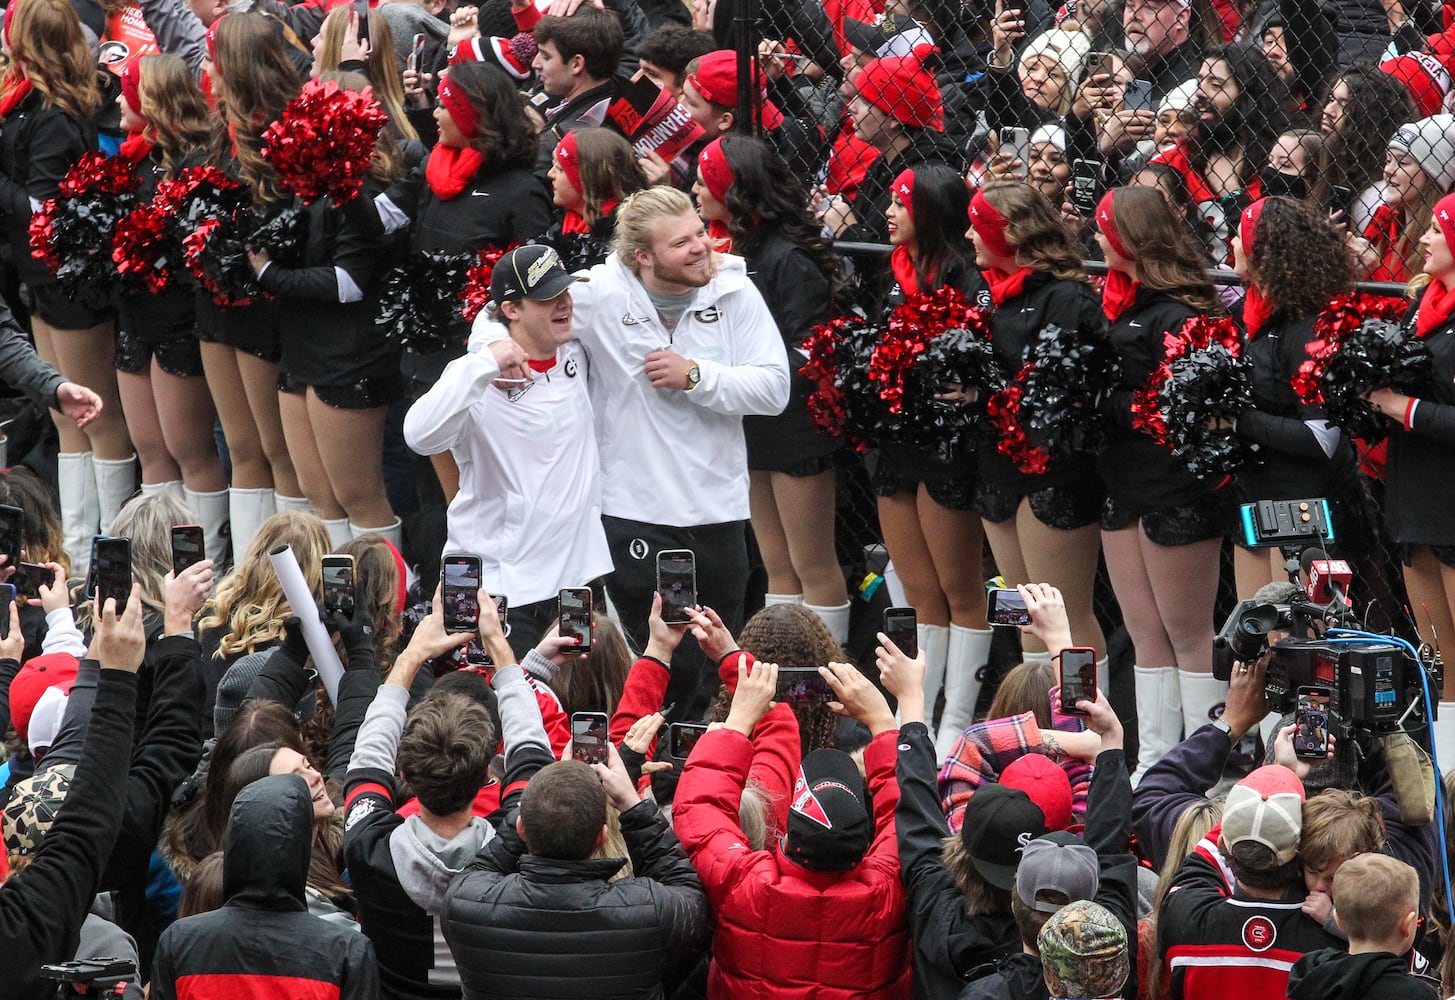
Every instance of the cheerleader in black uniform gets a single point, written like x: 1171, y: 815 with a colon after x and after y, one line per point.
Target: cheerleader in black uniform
x: 158, y: 362
x: 1161, y: 527
x: 592, y: 172
x: 1042, y: 527
x: 1293, y: 262
x: 338, y: 373
x: 1420, y: 468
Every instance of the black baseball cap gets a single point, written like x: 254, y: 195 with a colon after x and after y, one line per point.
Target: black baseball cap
x: 530, y: 272
x: 830, y: 823
x: 999, y: 823
x: 892, y: 35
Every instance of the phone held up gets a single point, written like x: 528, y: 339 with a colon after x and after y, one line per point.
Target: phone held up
x: 110, y: 570
x: 677, y: 583
x: 589, y: 734
x: 187, y: 547
x: 682, y: 737
x: 1311, y: 724
x: 1006, y: 607
x: 901, y: 626
x: 1078, y: 678
x: 460, y: 591
x: 576, y: 613
x: 338, y: 583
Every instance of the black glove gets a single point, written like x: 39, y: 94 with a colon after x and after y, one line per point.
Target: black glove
x: 357, y: 633
x: 632, y: 760
x: 294, y: 646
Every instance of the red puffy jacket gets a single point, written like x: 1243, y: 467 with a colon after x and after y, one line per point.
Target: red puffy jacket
x: 782, y: 930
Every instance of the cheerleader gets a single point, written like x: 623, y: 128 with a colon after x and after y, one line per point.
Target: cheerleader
x: 47, y: 101
x: 1041, y: 526
x: 158, y: 361
x: 592, y: 172
x: 1161, y: 527
x: 338, y: 373
x: 253, y: 81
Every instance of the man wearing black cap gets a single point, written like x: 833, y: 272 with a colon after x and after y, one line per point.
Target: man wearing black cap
x: 529, y: 499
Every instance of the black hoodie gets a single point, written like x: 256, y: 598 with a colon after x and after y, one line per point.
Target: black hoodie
x: 1331, y: 974
x: 264, y: 936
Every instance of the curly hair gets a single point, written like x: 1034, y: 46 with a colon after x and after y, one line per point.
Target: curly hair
x: 1338, y: 824
x: 48, y: 47
x: 1035, y: 229
x: 1166, y: 256
x: 506, y: 137
x: 1299, y: 261
x: 1352, y: 155
x: 766, y: 199
x: 178, y: 121
x: 257, y: 80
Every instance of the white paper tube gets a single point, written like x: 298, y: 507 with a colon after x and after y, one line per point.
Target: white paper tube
x: 301, y: 600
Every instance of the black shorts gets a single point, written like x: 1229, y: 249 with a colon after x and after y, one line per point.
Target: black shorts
x: 368, y: 393
x: 54, y: 307
x: 1065, y: 508
x: 1444, y: 554
x: 899, y: 470
x: 180, y: 357
x: 1210, y: 517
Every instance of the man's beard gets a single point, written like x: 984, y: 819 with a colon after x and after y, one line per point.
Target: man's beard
x: 1223, y: 134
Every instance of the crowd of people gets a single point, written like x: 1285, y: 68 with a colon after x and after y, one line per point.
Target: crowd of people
x: 636, y: 744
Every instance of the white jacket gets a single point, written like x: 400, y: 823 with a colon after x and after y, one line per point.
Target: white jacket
x: 675, y: 457
x: 529, y: 503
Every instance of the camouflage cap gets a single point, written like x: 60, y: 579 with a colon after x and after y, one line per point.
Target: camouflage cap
x: 1084, y: 952
x: 33, y: 807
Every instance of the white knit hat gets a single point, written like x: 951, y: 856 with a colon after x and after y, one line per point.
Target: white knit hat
x: 1431, y: 141
x: 1068, y: 47
x: 1180, y: 97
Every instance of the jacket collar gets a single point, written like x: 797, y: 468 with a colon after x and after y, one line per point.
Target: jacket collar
x: 550, y: 870
x: 731, y: 276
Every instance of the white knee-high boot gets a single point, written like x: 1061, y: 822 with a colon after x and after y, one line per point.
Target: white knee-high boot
x: 391, y: 533
x: 115, y: 484
x: 172, y: 487
x: 247, y: 510
x: 80, y: 513
x: 1202, y: 694
x: 292, y: 503
x: 934, y: 643
x: 771, y: 599
x: 338, y: 531
x: 1159, y: 715
x: 836, y: 618
x: 969, y: 650
x: 212, y: 511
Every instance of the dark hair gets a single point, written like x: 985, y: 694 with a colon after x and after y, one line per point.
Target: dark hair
x: 1353, y: 154
x: 594, y: 35
x: 376, y: 588
x: 41, y: 535
x: 202, y: 891
x: 1028, y: 921
x: 1299, y: 261
x: 672, y: 46
x: 1253, y: 865
x: 766, y: 198
x: 1258, y: 116
x: 445, y: 752
x: 506, y: 137
x: 1168, y: 259
x: 941, y: 209
x: 1170, y: 180
x: 257, y: 724
x: 563, y: 811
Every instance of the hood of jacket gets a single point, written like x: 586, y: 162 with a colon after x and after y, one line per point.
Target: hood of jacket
x: 268, y: 844
x: 1332, y: 974
x: 425, y: 862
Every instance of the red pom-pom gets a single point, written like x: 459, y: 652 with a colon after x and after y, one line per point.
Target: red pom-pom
x: 140, y: 251
x: 1339, y: 319
x: 323, y: 144
x: 72, y: 232
x: 1003, y: 409
x: 476, y: 293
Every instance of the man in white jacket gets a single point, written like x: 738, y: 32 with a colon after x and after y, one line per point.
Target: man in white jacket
x: 682, y: 347
x: 529, y: 503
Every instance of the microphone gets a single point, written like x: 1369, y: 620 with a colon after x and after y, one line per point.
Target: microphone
x: 1328, y: 579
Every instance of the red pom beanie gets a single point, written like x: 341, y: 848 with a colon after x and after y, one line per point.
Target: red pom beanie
x: 902, y: 88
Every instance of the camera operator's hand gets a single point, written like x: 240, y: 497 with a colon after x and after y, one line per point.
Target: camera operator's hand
x: 620, y: 791
x: 754, y: 695
x: 1100, y: 719
x: 902, y: 677
x: 1283, y: 753
x: 663, y: 639
x: 1247, y: 702
x: 121, y: 642
x: 1047, y: 609
x: 858, y: 698
x: 185, y: 595
x: 492, y: 632
x: 712, y: 635
x: 430, y: 640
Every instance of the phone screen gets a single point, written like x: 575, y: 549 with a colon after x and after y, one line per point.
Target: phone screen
x: 682, y: 737
x: 1311, y: 724
x: 1006, y: 607
x: 588, y: 737
x: 802, y: 686
x: 187, y: 547
x: 460, y: 591
x: 677, y: 583
x: 111, y: 568
x: 900, y: 625
x: 576, y: 616
x: 502, y: 611
x: 1078, y: 678
x: 29, y: 577
x: 338, y: 583
x: 1086, y: 186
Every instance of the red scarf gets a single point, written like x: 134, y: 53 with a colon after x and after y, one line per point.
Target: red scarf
x: 574, y: 222
x: 136, y: 148
x: 904, y: 273
x: 11, y: 99
x: 1118, y: 294
x: 1435, y: 308
x: 721, y: 236
x: 1383, y: 232
x: 450, y: 170
x: 1004, y: 287
x: 1256, y: 311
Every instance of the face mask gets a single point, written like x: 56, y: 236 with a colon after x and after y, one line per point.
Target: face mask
x: 1277, y: 183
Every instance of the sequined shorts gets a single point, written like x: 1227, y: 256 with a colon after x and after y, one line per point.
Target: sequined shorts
x: 1065, y: 508
x: 953, y: 492
x: 367, y: 393
x: 181, y: 357
x: 1444, y: 554
x: 1181, y: 525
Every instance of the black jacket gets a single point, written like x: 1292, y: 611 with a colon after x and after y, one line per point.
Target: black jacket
x: 42, y: 908
x: 1420, y: 469
x: 38, y: 147
x: 525, y: 926
x: 926, y: 146
x: 166, y: 315
x: 568, y: 116
x: 1333, y: 974
x: 1017, y: 324
x: 264, y: 935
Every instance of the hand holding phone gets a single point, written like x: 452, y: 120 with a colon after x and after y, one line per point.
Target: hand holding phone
x: 338, y: 584
x: 575, y: 617
x: 902, y: 628
x: 589, y: 734
x: 1005, y: 607
x: 460, y: 591
x: 1078, y: 678
x: 188, y: 547
x: 802, y: 686
x: 677, y: 583
x: 1311, y: 724
x: 111, y: 571
x: 682, y: 737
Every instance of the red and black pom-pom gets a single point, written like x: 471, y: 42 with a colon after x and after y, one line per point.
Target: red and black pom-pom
x: 73, y: 232
x: 323, y: 143
x: 476, y: 293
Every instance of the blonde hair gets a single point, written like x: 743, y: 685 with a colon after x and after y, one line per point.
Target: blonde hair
x: 48, y: 47
x: 1373, y: 893
x: 249, y: 603
x: 1338, y: 824
x: 148, y: 521
x: 1194, y: 824
x: 637, y: 217
x: 177, y: 119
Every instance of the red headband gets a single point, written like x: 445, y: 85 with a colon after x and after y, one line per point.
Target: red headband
x: 990, y: 225
x: 467, y: 119
x: 131, y: 85
x: 566, y: 154
x: 715, y: 171
x: 904, y: 187
x: 1106, y: 222
x: 1445, y: 215
x: 211, y: 38
x: 1248, y: 227
x: 10, y: 10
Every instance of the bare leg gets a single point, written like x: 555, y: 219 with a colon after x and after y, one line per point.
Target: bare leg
x: 1253, y: 568
x: 1066, y: 560
x: 957, y: 555
x: 260, y: 382
x: 905, y: 540
x: 1137, y: 597
x: 140, y: 409
x: 303, y: 447
x: 351, y: 445
x: 768, y: 530
x: 805, y: 506
x: 1428, y: 589
x: 188, y: 429
x: 1184, y: 582
x: 250, y: 468
x: 88, y: 357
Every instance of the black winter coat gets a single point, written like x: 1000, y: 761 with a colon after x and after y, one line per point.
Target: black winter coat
x: 926, y: 146
x: 38, y: 147
x: 1420, y: 470
x: 1334, y: 974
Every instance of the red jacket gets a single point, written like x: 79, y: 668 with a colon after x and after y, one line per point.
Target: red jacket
x: 782, y: 930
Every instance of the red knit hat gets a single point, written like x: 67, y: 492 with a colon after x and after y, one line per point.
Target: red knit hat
x: 716, y: 80
x: 1425, y: 77
x: 902, y: 88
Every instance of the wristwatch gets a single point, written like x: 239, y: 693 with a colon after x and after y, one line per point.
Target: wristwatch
x: 1220, y: 724
x: 694, y: 375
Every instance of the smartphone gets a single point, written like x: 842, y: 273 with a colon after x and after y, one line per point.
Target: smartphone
x: 1137, y: 96
x: 361, y: 8
x: 416, y: 48
x: 338, y: 583
x: 111, y: 570
x: 682, y: 737
x: 1341, y: 199
x: 589, y: 734
x: 1097, y: 64
x: 1015, y: 142
x: 187, y: 547
x: 1006, y: 607
x: 802, y: 686
x: 12, y: 533
x: 677, y: 583
x: 460, y: 591
x: 1311, y: 724
x: 900, y: 624
x: 575, y: 605
x: 502, y: 611
x: 7, y: 598
x: 29, y: 577
x: 1078, y: 678
x: 1086, y: 186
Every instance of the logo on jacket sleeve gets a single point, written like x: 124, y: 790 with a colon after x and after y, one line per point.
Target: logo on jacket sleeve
x: 1259, y: 933
x: 570, y: 368
x: 361, y: 808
